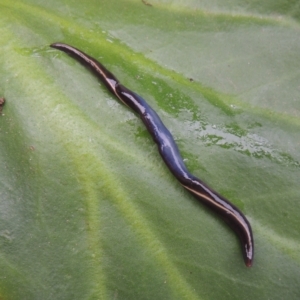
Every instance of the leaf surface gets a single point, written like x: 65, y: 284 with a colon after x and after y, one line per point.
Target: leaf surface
x: 88, y: 210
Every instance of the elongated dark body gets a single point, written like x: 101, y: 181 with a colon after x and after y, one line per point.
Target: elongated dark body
x: 170, y: 153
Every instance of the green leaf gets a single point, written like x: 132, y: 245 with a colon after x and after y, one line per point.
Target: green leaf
x: 88, y: 210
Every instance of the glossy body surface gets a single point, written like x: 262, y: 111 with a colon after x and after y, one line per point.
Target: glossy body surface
x: 170, y: 153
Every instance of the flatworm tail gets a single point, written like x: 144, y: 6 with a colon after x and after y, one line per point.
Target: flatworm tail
x: 170, y: 153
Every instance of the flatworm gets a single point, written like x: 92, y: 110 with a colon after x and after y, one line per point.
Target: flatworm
x: 169, y: 151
